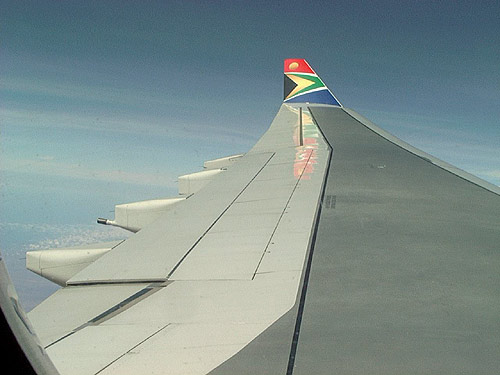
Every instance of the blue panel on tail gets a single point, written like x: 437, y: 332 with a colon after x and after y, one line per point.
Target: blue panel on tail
x: 318, y: 97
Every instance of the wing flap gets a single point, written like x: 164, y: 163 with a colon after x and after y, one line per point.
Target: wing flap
x: 71, y: 307
x: 187, y: 327
x: 95, y: 347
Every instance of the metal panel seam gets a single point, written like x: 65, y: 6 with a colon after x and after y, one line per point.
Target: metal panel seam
x: 219, y: 217
x: 282, y: 212
x: 132, y: 348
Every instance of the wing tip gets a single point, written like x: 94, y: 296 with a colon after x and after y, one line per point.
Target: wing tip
x: 303, y: 85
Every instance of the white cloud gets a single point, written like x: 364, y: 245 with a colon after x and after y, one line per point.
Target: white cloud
x: 491, y: 173
x: 168, y: 127
x: 80, y: 92
x: 47, y: 165
x: 64, y: 235
x: 46, y: 157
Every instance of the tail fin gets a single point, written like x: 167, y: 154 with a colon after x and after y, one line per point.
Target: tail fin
x: 302, y: 85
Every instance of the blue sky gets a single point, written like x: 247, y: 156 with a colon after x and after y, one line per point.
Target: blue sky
x: 108, y: 102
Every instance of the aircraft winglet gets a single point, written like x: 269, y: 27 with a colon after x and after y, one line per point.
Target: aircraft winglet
x: 302, y: 85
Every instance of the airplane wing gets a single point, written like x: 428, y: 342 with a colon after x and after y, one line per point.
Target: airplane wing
x: 330, y: 247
